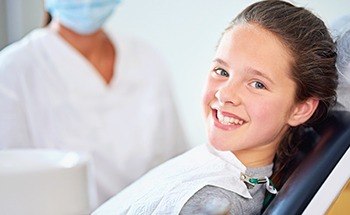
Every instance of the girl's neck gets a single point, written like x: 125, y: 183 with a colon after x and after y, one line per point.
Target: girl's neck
x: 257, y: 157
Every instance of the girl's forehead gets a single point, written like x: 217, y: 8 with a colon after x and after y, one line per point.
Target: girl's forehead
x: 256, y: 44
x: 254, y: 32
x: 245, y: 48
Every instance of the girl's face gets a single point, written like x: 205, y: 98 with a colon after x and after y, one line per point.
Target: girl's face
x: 249, y: 96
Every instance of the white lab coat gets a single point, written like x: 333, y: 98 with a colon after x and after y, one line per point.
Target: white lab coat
x: 52, y: 97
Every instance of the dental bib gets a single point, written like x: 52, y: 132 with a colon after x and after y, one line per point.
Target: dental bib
x: 165, y: 189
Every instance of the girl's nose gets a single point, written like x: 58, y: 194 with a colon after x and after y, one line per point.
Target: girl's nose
x: 228, y: 95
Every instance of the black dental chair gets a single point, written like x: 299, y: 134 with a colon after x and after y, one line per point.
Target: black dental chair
x: 331, y: 141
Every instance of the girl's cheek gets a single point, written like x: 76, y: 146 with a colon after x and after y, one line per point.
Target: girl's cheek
x: 208, y: 98
x: 209, y: 92
x: 263, y: 110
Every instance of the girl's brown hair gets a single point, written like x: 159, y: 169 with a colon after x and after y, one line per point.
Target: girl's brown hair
x: 308, y: 41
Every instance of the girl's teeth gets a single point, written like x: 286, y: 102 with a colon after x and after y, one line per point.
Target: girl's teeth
x: 228, y: 120
x: 232, y: 120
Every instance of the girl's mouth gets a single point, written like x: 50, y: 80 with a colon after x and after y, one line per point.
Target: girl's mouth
x: 225, y: 120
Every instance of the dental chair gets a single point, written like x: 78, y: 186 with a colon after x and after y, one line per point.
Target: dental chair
x: 324, y: 170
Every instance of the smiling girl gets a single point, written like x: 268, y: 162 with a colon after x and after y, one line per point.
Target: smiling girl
x: 273, y: 74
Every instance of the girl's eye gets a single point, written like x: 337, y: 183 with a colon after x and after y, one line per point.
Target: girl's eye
x: 221, y: 72
x: 257, y: 85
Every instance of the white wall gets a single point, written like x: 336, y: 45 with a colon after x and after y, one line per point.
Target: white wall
x: 17, y: 18
x: 184, y: 31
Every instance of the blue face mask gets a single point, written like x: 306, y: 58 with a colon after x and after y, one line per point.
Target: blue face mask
x: 82, y: 16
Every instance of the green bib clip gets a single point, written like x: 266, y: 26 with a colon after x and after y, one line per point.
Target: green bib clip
x: 251, y: 182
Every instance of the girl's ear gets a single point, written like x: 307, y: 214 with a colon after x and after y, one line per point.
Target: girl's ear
x: 302, y: 111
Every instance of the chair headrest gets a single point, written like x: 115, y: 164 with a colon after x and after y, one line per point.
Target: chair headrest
x: 329, y: 142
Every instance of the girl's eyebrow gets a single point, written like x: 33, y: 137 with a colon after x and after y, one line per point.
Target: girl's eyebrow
x: 220, y: 61
x: 258, y: 73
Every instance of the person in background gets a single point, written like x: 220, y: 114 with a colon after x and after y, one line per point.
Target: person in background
x: 273, y: 74
x: 74, y: 86
x: 341, y: 33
